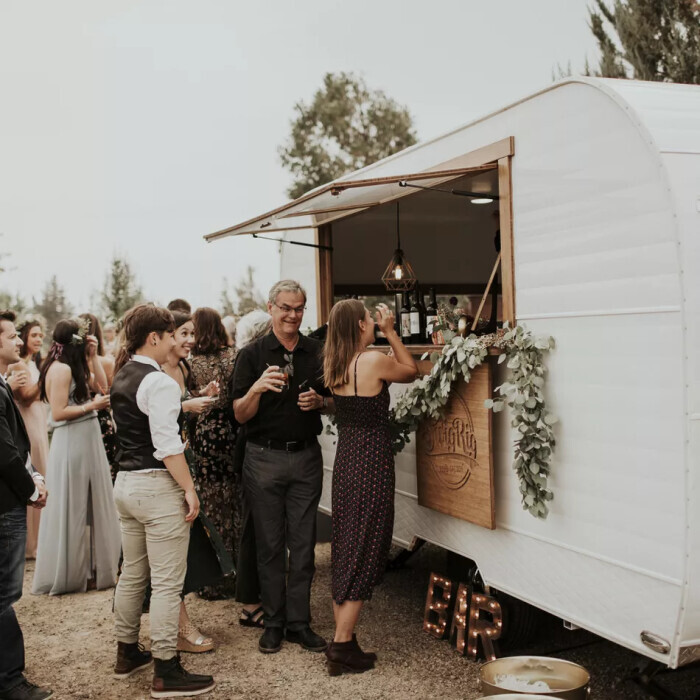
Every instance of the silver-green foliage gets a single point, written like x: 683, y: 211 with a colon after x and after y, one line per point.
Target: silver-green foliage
x: 524, y: 395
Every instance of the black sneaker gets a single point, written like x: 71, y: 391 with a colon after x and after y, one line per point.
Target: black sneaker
x: 271, y: 640
x: 170, y: 680
x: 26, y: 691
x: 307, y: 638
x: 130, y: 659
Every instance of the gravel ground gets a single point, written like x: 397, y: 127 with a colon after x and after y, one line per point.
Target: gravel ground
x: 71, y: 648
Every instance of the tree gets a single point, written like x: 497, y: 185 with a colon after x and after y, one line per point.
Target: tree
x: 120, y: 291
x: 13, y: 303
x: 345, y: 127
x: 245, y: 297
x: 655, y: 39
x: 53, y: 305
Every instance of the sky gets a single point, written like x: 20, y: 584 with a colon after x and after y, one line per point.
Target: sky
x: 136, y: 127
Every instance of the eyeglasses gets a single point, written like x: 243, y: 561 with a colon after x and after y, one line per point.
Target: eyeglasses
x: 298, y: 310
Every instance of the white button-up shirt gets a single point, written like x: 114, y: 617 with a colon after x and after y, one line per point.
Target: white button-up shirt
x: 159, y: 397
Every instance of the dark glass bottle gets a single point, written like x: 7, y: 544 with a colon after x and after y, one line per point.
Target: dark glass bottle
x: 421, y: 309
x: 415, y: 315
x: 405, y: 319
x: 431, y: 315
x: 379, y: 336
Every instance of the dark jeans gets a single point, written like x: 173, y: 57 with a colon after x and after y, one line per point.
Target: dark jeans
x: 13, y: 541
x: 247, y: 579
x: 283, y: 489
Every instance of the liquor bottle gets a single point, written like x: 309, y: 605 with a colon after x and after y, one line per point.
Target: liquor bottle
x: 416, y: 321
x: 405, y: 319
x: 431, y: 315
x: 397, y: 312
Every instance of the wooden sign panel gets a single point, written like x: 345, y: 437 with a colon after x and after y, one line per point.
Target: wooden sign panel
x: 455, y: 463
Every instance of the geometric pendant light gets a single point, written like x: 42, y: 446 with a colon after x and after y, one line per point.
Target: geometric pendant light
x: 399, y: 275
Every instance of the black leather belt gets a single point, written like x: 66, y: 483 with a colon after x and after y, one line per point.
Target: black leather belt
x: 292, y: 446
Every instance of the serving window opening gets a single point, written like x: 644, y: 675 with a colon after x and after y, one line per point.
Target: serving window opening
x: 458, y: 247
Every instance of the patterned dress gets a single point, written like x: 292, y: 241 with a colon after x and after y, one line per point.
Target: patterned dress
x: 213, y: 442
x: 362, y: 495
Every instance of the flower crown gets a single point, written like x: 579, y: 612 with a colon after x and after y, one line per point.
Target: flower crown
x: 83, y: 331
x: 30, y: 319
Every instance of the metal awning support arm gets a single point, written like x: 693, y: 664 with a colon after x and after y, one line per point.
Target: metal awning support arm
x: 281, y: 240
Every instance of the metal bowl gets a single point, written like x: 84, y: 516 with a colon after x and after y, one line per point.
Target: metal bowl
x: 567, y: 680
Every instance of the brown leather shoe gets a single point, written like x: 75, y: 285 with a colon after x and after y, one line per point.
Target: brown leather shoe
x: 344, y: 657
x: 130, y: 659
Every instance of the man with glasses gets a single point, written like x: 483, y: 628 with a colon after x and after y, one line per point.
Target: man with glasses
x: 278, y: 393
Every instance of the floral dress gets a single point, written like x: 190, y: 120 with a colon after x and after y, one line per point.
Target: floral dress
x: 213, y: 443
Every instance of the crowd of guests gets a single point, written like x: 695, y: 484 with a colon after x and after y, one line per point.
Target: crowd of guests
x: 181, y: 446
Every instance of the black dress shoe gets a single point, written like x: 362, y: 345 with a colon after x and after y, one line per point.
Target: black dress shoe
x: 271, y: 640
x: 307, y: 638
x: 26, y: 691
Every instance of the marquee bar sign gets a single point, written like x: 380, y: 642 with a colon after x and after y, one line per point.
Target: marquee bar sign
x: 455, y: 464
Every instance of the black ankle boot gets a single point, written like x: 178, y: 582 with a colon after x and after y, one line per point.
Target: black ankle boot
x: 369, y: 654
x: 345, y: 657
x: 170, y: 680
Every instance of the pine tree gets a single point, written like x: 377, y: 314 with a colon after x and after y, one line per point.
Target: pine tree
x: 14, y: 303
x: 120, y: 291
x: 245, y: 298
x: 345, y: 127
x: 53, y: 305
x: 655, y: 39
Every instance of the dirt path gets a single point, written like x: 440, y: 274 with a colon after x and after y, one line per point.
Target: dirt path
x: 71, y: 648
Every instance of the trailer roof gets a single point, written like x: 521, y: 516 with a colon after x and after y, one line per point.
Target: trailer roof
x: 666, y: 112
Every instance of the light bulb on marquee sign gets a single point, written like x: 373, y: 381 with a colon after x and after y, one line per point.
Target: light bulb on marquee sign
x: 468, y: 626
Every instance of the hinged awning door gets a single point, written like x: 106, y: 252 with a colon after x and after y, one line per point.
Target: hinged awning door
x: 354, y: 193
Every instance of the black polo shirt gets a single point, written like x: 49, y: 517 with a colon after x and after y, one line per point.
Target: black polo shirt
x: 279, y: 417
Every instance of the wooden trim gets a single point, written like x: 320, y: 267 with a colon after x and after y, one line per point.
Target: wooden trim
x: 505, y: 210
x: 486, y: 292
x: 377, y: 290
x: 337, y: 188
x: 324, y: 274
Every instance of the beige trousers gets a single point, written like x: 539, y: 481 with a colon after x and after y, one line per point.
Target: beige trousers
x: 155, y: 538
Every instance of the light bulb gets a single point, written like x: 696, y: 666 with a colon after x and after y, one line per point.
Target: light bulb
x: 398, y: 272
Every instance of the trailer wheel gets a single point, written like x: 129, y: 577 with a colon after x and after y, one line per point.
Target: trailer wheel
x: 522, y: 622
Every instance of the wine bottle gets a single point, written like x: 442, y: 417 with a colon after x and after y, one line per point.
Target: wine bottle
x: 415, y: 319
x: 431, y: 315
x: 405, y: 319
x: 421, y: 309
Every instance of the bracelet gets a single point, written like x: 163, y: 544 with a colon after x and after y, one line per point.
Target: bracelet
x: 82, y: 405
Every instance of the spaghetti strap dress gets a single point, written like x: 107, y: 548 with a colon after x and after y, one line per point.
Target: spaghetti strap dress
x: 362, y: 494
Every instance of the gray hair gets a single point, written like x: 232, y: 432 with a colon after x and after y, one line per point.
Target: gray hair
x: 285, y: 286
x: 252, y: 326
x: 229, y: 323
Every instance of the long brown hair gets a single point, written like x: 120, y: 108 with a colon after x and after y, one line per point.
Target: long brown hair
x: 139, y: 322
x: 24, y: 330
x: 344, y: 339
x: 209, y: 332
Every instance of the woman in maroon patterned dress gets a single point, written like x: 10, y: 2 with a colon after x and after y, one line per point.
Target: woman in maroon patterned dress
x: 363, y: 474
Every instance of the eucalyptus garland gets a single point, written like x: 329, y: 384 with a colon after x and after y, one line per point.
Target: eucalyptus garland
x: 523, y: 394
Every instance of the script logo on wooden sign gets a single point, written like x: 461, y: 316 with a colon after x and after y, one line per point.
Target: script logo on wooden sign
x: 455, y: 467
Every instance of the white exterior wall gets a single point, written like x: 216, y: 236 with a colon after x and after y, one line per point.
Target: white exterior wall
x: 597, y: 266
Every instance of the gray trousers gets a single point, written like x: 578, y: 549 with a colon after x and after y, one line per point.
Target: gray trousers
x: 283, y: 491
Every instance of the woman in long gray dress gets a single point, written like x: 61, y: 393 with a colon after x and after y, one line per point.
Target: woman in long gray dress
x: 79, y: 539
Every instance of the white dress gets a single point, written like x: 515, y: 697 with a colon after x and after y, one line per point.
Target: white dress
x: 79, y: 532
